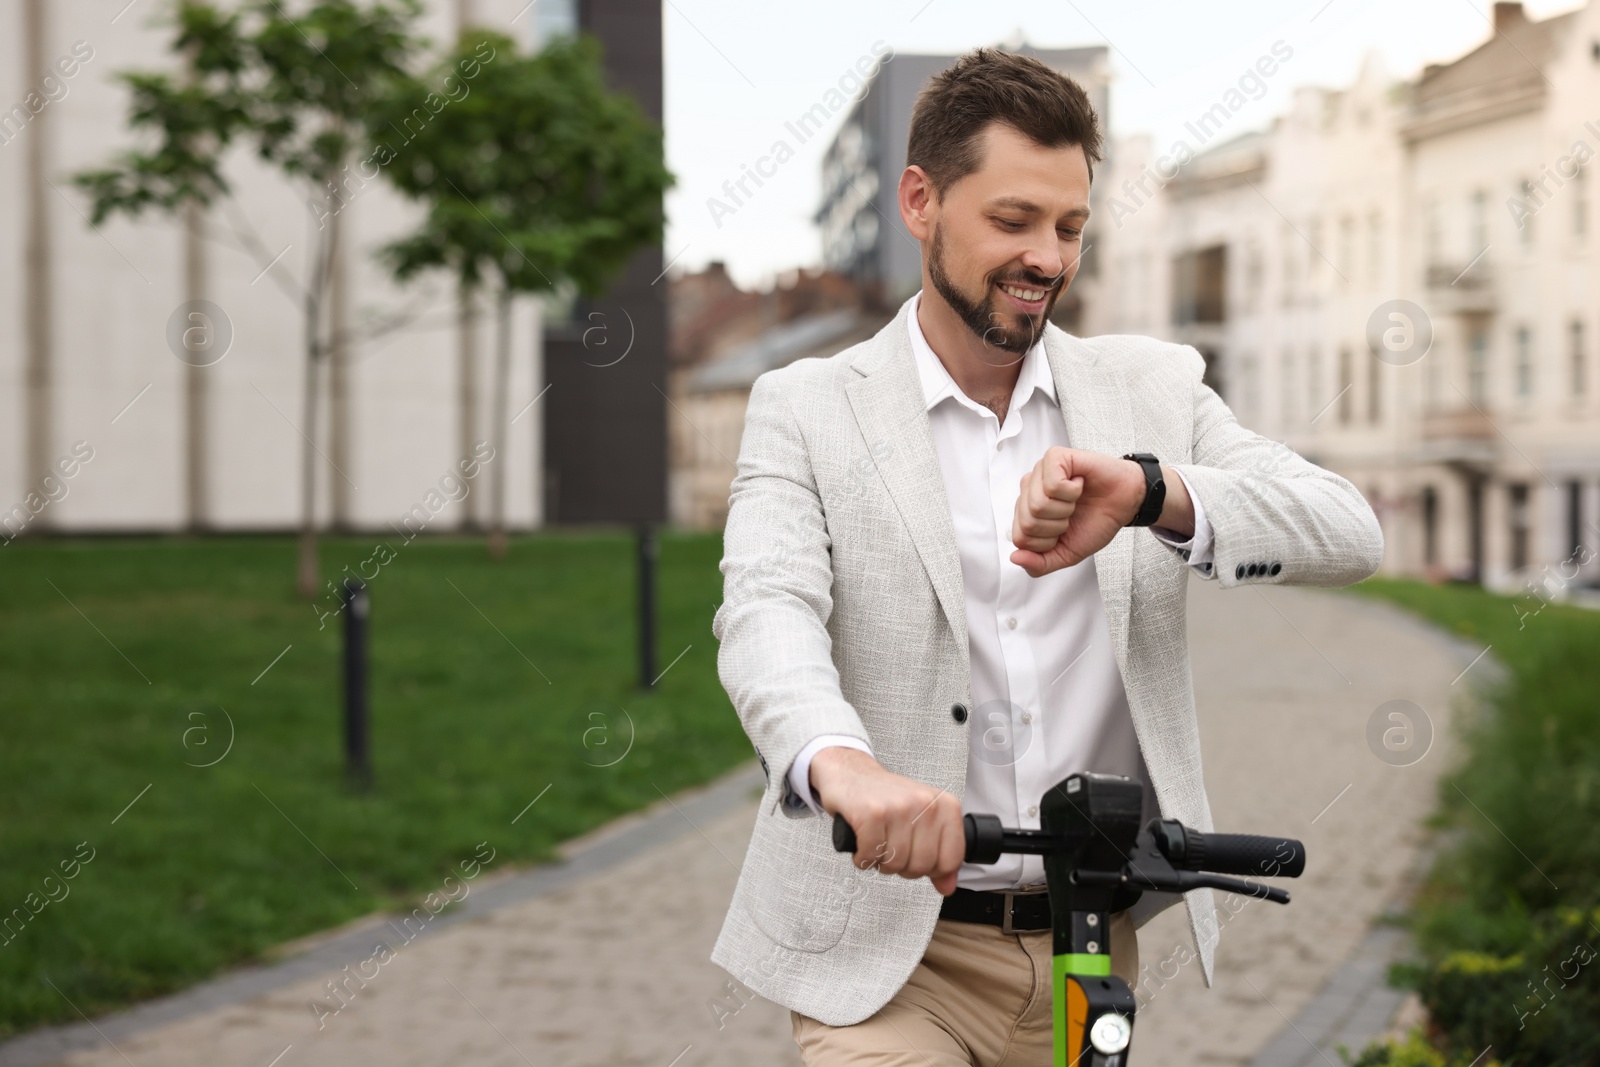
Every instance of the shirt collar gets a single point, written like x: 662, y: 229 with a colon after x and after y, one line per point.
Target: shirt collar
x: 937, y: 384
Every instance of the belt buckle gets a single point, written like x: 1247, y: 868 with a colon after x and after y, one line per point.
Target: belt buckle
x: 1006, y: 912
x: 1009, y: 906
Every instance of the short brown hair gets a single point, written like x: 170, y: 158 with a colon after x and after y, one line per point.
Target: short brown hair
x: 989, y: 85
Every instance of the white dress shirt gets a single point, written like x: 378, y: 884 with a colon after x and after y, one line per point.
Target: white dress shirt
x: 1048, y: 699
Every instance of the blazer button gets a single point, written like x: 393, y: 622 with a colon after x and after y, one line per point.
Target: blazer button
x: 1276, y: 567
x: 958, y: 712
x: 1250, y: 571
x: 1239, y: 571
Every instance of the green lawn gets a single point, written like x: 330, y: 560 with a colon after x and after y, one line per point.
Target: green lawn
x: 1512, y: 906
x: 490, y: 683
x: 1532, y: 762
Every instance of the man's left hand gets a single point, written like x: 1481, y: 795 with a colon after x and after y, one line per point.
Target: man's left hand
x: 1073, y: 503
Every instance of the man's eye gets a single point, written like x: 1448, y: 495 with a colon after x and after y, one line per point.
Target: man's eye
x: 1009, y: 224
x: 1070, y: 235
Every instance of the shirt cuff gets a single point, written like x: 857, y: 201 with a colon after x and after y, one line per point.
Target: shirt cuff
x: 800, y: 771
x: 1196, y: 549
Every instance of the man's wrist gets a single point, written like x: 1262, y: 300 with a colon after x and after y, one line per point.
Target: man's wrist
x: 1177, y: 510
x: 830, y: 762
x: 1151, y: 492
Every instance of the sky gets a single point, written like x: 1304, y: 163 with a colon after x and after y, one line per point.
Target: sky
x: 737, y: 71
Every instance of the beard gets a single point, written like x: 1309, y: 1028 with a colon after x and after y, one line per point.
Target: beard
x: 1008, y: 330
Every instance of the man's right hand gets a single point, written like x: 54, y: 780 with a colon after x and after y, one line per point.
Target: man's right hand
x: 902, y: 826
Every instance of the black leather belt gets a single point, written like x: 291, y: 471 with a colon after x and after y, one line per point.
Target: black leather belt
x: 1013, y: 912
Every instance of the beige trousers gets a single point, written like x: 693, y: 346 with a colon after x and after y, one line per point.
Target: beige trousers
x: 979, y: 997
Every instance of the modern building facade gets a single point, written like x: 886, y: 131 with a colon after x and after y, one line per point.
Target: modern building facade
x: 604, y: 452
x: 92, y: 380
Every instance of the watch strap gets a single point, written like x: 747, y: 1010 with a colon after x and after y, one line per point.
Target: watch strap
x: 1155, y: 489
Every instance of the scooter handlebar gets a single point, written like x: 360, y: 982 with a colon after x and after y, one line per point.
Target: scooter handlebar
x: 1252, y: 855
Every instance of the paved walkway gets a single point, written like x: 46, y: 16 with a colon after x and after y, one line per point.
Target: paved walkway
x: 604, y: 961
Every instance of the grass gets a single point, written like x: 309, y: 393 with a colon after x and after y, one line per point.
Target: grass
x: 1518, y: 885
x: 491, y: 684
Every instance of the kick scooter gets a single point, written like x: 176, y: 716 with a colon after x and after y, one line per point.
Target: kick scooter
x: 1097, y: 861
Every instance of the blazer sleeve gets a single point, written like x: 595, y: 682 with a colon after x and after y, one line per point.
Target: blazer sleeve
x: 1276, y: 518
x: 775, y: 656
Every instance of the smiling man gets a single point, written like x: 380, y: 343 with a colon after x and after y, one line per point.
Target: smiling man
x: 956, y: 560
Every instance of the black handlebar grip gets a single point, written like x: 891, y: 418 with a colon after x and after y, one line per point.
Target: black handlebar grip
x: 844, y: 836
x: 1249, y: 855
x: 983, y: 837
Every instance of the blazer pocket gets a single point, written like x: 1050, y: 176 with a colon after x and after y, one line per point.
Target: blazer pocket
x: 801, y: 890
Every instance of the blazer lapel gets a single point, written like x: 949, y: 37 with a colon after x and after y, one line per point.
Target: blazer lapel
x: 889, y: 409
x: 1094, y: 404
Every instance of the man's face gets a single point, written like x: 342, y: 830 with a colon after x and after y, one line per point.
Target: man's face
x: 1007, y: 237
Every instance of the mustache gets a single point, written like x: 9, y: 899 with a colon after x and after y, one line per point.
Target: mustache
x: 1033, y: 281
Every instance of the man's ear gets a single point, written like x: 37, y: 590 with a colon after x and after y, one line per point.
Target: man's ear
x: 918, y: 202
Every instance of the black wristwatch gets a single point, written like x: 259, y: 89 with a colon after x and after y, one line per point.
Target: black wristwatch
x: 1155, y: 489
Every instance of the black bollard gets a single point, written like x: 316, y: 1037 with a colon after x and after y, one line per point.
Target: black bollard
x: 358, y: 769
x: 647, y: 606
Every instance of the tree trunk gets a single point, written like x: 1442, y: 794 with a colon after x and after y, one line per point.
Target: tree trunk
x: 338, y: 358
x: 196, y: 469
x: 467, y: 369
x: 38, y: 298
x: 502, y: 390
x: 323, y: 250
x: 308, y: 570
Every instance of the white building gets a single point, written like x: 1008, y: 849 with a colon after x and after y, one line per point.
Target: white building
x: 85, y: 315
x: 1277, y: 254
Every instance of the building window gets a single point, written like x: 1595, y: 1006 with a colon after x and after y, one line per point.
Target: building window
x: 1433, y: 227
x: 1346, y: 404
x: 1579, y: 380
x: 552, y: 19
x: 1249, y: 388
x: 1518, y: 515
x: 1580, y: 203
x: 1290, y: 265
x: 1478, y: 235
x: 1286, y: 388
x: 1524, y: 362
x: 1374, y: 387
x: 1347, y: 250
x: 1252, y: 273
x: 1530, y: 198
x: 1475, y: 528
x: 1314, y: 399
x: 1433, y: 374
x: 1430, y: 526
x: 1199, y: 285
x: 1314, y: 260
x: 1374, y: 248
x: 1478, y: 368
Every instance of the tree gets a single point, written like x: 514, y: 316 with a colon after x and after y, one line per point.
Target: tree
x: 537, y: 176
x: 302, y: 87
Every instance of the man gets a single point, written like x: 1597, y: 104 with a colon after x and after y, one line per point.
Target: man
x: 940, y: 596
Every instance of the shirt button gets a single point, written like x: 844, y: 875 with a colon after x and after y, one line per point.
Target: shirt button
x: 998, y: 445
x: 1011, y: 623
x: 1027, y: 716
x: 1033, y: 810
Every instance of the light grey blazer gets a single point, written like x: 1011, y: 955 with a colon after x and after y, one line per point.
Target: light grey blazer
x: 844, y: 613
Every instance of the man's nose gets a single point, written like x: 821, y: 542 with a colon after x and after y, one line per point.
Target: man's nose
x: 1043, y: 257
